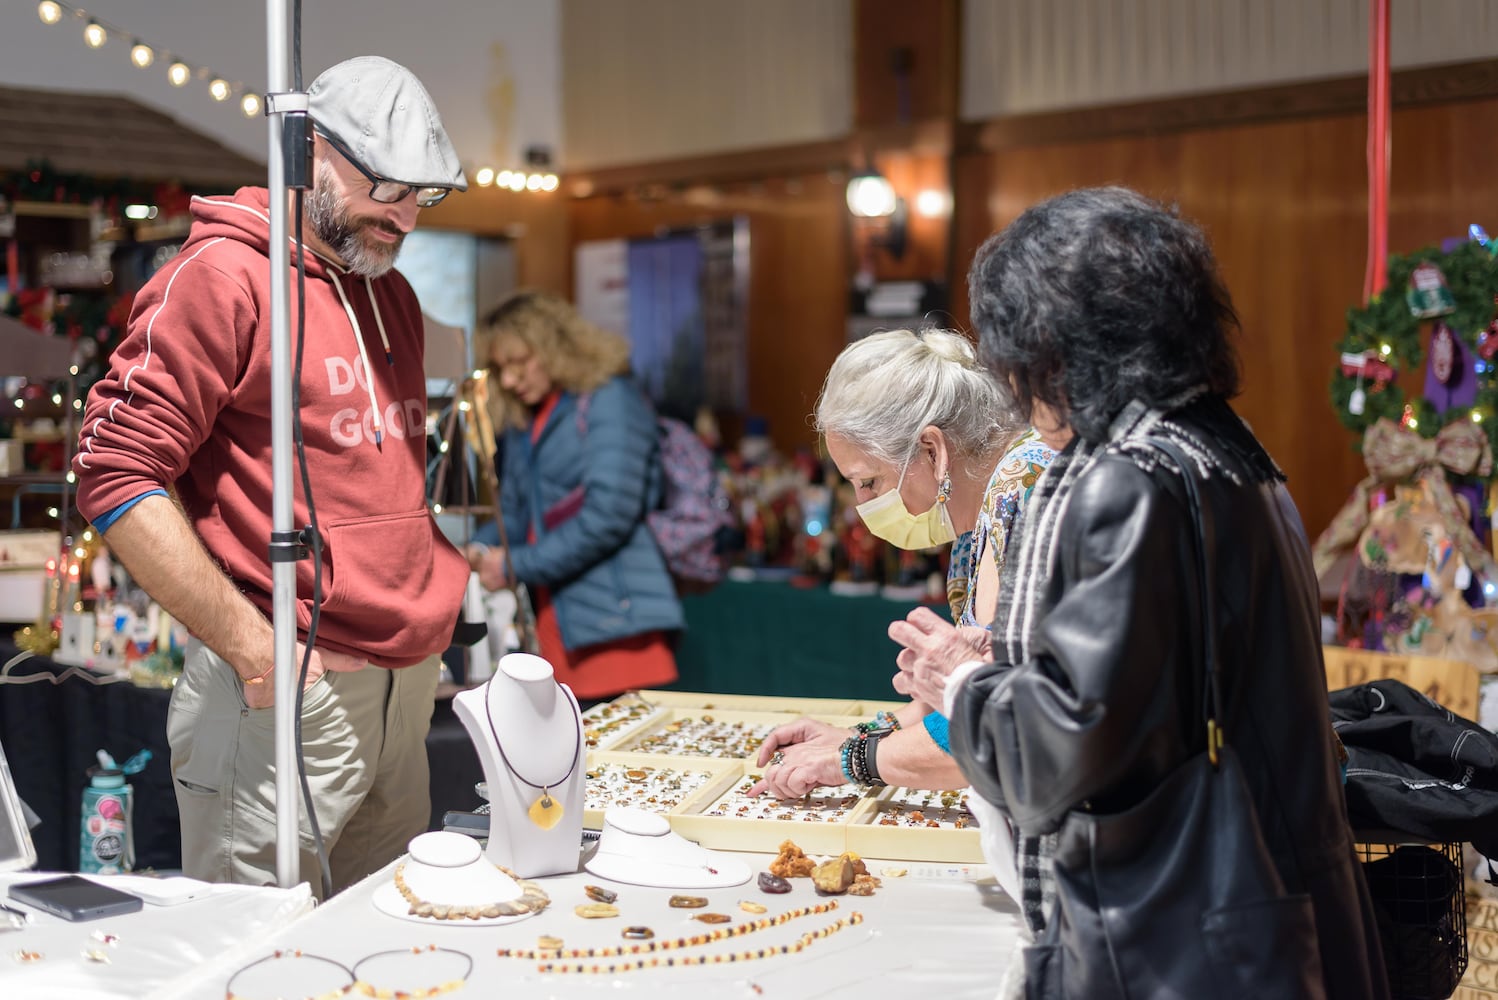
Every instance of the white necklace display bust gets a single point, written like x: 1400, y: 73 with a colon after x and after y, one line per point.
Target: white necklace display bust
x: 638, y: 848
x: 448, y: 870
x: 527, y: 730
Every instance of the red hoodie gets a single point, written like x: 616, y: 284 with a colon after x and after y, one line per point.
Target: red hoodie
x: 187, y: 402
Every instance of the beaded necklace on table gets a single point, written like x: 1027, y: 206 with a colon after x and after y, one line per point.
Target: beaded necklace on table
x: 387, y: 993
x: 294, y: 953
x: 547, y: 957
x: 533, y: 899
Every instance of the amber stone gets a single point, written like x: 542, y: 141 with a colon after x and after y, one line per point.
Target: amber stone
x: 688, y: 902
x: 599, y: 894
x: 595, y: 911
x: 713, y: 918
x: 833, y: 877
x: 773, y: 884
x: 637, y: 933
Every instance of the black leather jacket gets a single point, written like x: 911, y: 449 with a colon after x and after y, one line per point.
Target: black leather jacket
x: 1111, y: 700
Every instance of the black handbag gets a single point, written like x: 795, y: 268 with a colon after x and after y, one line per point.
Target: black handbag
x: 1178, y: 896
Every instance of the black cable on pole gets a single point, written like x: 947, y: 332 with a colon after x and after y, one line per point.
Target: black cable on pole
x: 298, y: 149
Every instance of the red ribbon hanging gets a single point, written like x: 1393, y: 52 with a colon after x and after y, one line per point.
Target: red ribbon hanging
x: 1375, y: 277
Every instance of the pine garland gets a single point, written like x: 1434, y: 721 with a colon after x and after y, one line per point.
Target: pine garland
x: 1471, y: 273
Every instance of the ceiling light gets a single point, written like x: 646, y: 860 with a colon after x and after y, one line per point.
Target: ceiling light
x: 95, y: 35
x: 49, y: 12
x: 179, y: 74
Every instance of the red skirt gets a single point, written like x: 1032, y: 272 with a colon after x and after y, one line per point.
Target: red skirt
x: 607, y: 668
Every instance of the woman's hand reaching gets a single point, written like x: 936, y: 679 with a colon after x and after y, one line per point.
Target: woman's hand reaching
x: 800, y: 756
x: 933, y: 647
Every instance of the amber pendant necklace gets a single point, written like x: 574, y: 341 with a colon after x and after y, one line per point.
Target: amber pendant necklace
x: 545, y: 812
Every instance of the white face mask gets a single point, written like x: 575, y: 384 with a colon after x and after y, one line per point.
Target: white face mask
x: 888, y: 518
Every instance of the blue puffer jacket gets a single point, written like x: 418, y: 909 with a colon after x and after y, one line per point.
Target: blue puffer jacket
x: 606, y: 576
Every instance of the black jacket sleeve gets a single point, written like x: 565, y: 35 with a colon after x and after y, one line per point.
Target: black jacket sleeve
x: 1097, y: 712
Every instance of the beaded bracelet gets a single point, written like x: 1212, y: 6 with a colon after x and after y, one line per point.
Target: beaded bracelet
x: 861, y: 760
x: 883, y: 719
x: 846, y: 756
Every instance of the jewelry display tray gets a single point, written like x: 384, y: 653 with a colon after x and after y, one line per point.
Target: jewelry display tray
x: 709, y: 775
x: 859, y: 830
x: 612, y: 724
x: 720, y: 734
x: 752, y: 703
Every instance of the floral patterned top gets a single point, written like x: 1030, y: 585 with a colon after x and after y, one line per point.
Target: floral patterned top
x: 1007, y: 493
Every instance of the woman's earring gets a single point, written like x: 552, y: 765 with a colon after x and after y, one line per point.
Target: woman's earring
x: 944, y: 489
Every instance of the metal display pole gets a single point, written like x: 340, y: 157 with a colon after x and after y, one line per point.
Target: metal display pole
x: 283, y: 569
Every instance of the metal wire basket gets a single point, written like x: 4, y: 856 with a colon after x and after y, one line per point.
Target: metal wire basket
x: 1420, y: 899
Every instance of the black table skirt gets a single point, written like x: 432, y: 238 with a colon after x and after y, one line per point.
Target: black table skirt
x: 50, y: 733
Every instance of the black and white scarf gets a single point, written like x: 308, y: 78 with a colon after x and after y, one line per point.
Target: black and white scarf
x: 1032, y: 560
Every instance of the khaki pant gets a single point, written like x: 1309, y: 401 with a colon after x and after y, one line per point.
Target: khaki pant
x: 364, y: 743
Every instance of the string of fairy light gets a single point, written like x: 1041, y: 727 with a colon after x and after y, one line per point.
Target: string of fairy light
x: 179, y: 72
x: 97, y: 33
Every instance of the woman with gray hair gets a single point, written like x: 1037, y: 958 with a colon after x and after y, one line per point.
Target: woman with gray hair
x: 1154, y: 717
x: 919, y: 428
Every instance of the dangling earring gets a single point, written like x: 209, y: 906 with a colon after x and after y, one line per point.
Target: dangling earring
x: 944, y: 489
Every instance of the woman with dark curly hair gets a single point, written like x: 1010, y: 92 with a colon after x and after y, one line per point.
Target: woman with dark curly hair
x: 1161, y: 529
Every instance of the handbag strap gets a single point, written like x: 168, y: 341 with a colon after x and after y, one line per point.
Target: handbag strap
x: 1201, y: 520
x: 538, y: 521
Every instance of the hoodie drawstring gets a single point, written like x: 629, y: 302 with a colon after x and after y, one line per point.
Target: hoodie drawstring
x: 379, y: 322
x: 374, y: 405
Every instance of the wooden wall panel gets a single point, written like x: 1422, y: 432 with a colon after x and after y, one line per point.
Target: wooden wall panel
x: 1285, y: 206
x: 536, y: 222
x: 924, y: 37
x: 797, y: 280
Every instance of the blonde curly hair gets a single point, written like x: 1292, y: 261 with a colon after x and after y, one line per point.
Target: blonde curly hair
x: 575, y: 354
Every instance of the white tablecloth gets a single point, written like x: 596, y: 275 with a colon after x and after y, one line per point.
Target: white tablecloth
x: 942, y: 930
x: 159, y: 949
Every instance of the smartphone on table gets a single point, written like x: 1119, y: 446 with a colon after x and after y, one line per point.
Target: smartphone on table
x: 74, y: 897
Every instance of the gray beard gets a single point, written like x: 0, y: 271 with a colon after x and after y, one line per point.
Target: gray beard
x: 345, y: 235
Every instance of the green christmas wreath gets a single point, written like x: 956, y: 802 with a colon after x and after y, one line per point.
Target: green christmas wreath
x: 1386, y: 329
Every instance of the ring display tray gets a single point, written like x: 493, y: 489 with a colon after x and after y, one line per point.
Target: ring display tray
x: 713, y: 748
x: 866, y: 709
x: 683, y: 732
x: 751, y: 703
x: 917, y: 825
x: 609, y: 723
x: 651, y: 782
x: 733, y: 821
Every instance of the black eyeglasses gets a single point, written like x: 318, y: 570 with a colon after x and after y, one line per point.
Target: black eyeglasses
x: 388, y: 192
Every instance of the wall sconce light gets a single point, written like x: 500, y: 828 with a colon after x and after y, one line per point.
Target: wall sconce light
x: 872, y: 197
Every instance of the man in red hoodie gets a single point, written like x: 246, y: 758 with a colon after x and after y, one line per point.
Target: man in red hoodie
x: 174, y: 467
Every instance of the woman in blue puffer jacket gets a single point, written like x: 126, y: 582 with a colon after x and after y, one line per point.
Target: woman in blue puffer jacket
x: 581, y: 469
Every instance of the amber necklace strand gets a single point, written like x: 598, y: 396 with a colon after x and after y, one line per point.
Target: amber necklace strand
x: 672, y: 961
x: 540, y: 810
x: 749, y: 927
